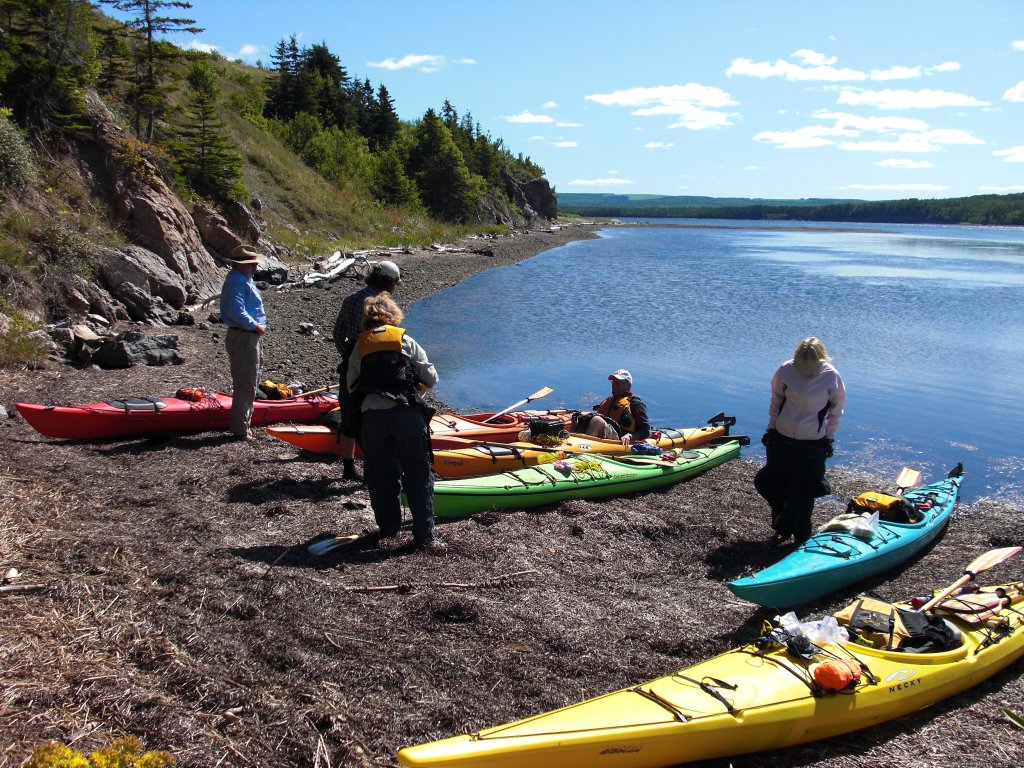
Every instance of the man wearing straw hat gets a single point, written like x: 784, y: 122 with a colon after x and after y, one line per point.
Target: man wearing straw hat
x: 241, y: 310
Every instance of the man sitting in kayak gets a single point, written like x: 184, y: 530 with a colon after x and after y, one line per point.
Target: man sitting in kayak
x: 623, y: 416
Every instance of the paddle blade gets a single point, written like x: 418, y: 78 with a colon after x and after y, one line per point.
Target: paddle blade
x: 908, y: 478
x: 542, y: 392
x: 539, y: 393
x: 990, y: 559
x: 325, y: 546
x: 980, y: 564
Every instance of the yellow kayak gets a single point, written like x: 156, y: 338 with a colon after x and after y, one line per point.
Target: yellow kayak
x: 757, y: 697
x: 455, y: 458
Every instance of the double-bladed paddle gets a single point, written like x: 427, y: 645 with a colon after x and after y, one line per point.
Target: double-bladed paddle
x: 315, y: 391
x: 542, y: 392
x: 980, y: 564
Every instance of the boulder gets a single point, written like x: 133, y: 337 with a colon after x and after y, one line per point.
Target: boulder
x: 249, y: 225
x: 145, y: 205
x: 214, y: 231
x: 101, y: 304
x: 133, y: 348
x: 144, y: 269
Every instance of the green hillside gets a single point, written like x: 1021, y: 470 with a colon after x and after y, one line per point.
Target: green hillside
x: 991, y: 210
x: 322, y: 156
x: 585, y: 203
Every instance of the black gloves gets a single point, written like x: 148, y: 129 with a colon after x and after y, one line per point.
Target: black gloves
x: 767, y: 437
x: 829, y: 447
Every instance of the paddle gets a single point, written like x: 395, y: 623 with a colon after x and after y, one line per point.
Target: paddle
x: 977, y: 607
x: 979, y: 565
x: 315, y: 391
x: 325, y: 546
x: 542, y: 392
x: 907, y: 478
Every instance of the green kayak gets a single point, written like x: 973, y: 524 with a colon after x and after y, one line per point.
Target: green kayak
x: 577, y: 477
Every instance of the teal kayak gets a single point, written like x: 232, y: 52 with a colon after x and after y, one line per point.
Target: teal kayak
x: 577, y: 477
x: 831, y: 560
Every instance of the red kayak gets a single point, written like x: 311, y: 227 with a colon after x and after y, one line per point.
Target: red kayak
x: 198, y: 411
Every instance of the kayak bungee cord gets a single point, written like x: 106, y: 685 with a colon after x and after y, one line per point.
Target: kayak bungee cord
x: 710, y: 690
x: 677, y: 713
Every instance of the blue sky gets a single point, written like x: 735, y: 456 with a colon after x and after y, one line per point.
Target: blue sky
x: 872, y: 100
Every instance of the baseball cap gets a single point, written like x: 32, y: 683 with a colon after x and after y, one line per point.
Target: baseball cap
x: 388, y: 269
x: 622, y: 374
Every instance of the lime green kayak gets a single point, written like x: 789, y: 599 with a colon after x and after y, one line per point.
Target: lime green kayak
x: 577, y: 477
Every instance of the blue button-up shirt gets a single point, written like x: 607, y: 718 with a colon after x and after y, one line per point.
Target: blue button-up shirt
x: 240, y: 303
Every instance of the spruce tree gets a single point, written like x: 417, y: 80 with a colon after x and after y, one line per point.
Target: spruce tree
x: 446, y: 187
x: 207, y: 162
x: 145, y: 18
x: 385, y: 123
x: 46, y: 56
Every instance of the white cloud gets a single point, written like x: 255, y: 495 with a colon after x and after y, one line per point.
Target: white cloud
x: 947, y: 66
x: 568, y: 124
x: 421, y: 61
x: 549, y: 105
x: 874, y: 123
x: 752, y: 168
x: 528, y: 117
x: 897, y: 187
x: 896, y: 73
x: 695, y: 105
x: 659, y: 144
x: 1011, y: 155
x: 249, y: 51
x: 196, y: 45
x: 1001, y: 190
x: 598, y: 182
x: 662, y: 95
x: 819, y: 69
x: 465, y: 61
x: 804, y: 138
x: 813, y: 58
x: 904, y: 162
x: 1018, y: 45
x: 1016, y: 93
x: 905, y: 99
x: 924, y: 141
x: 564, y: 144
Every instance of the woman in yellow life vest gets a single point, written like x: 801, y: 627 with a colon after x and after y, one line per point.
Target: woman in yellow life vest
x: 623, y: 416
x: 384, y: 372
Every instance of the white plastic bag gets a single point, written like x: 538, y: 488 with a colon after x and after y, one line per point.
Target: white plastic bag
x: 823, y: 632
x: 866, y: 528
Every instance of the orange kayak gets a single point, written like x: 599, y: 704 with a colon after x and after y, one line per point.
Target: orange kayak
x: 471, y: 428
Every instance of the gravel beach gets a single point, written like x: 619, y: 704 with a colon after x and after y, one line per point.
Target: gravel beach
x: 174, y: 599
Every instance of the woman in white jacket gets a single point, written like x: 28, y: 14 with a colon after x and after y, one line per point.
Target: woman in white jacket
x: 806, y: 406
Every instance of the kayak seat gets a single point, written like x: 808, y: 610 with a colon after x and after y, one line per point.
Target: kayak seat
x: 138, y: 404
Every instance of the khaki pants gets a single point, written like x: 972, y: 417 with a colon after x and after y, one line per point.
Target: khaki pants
x: 244, y: 356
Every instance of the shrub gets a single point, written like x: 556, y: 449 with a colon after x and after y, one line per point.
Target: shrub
x: 123, y: 753
x: 16, y: 346
x: 17, y: 168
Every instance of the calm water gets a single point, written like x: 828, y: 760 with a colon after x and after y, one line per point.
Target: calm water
x: 926, y: 325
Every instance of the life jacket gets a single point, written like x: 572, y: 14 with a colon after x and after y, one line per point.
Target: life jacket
x: 384, y: 369
x: 618, y: 410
